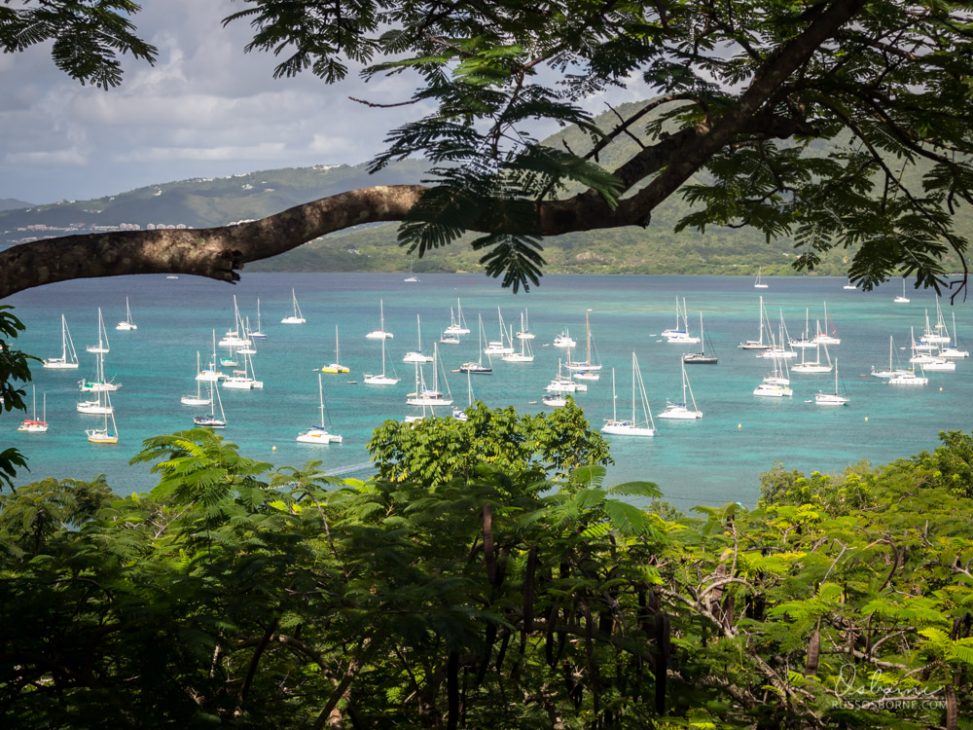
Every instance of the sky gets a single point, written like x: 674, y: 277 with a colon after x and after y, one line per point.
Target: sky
x: 205, y: 109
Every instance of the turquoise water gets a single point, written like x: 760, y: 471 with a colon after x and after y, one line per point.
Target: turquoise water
x: 711, y: 461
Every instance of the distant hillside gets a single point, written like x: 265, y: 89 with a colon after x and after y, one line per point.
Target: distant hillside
x: 202, y: 203
x: 13, y: 204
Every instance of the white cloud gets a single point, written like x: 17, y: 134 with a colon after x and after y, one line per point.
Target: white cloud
x: 67, y: 156
x: 269, y: 151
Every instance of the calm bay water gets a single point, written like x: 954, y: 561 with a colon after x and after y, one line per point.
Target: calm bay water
x: 711, y: 461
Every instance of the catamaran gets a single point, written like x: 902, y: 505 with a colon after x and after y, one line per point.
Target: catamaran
x: 426, y: 396
x: 457, y: 323
x: 380, y: 333
x: 816, y: 366
x: 244, y: 379
x: 679, y: 335
x: 127, y: 324
x: 336, y: 367
x: 643, y: 427
x: 35, y: 424
x: 319, y: 434
x: 564, y: 384
x: 295, y: 317
x: 565, y: 341
x: 954, y: 351
x: 69, y: 356
x: 686, y: 409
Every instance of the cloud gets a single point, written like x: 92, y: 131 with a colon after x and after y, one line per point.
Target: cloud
x: 267, y: 151
x: 68, y: 156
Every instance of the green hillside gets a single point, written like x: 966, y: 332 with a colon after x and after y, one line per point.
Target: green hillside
x: 212, y: 202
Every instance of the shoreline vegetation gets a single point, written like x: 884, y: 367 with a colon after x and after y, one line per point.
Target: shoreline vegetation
x: 487, y: 577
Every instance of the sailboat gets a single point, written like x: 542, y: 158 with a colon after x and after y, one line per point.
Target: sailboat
x: 937, y: 334
x: 564, y: 340
x: 759, y: 343
x: 700, y: 358
x: 458, y: 413
x: 777, y: 384
x: 380, y: 333
x: 816, y: 366
x: 563, y: 384
x: 245, y: 379
x: 100, y: 382
x: 643, y: 427
x: 679, y: 335
x: 902, y: 298
x: 336, y: 367
x: 424, y: 396
x: 211, y: 372
x: 382, y: 378
x: 525, y: 333
x: 127, y: 324
x: 781, y: 347
x: 97, y: 406
x: 953, y: 351
x: 525, y: 354
x: 457, y: 325
x: 477, y: 368
x: 682, y: 411
x: 35, y: 424
x: 805, y: 340
x: 588, y: 365
x: 319, y: 434
x: 824, y: 336
x: 499, y: 347
x: 257, y: 334
x: 198, y: 399
x: 234, y: 337
x: 758, y: 282
x: 104, y: 435
x: 891, y: 371
x: 69, y: 356
x: 102, y: 347
x: 212, y: 420
x: 417, y: 355
x: 295, y: 317
x: 909, y: 377
x: 834, y: 398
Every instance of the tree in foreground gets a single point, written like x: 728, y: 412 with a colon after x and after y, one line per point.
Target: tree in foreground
x: 843, y: 123
x: 231, y: 595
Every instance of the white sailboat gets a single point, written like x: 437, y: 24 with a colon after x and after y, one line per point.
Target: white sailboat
x: 525, y: 333
x: 382, y: 378
x: 257, y: 334
x: 686, y: 409
x: 701, y: 357
x: 890, y: 371
x: 499, y: 347
x: 937, y: 334
x: 98, y: 406
x: 35, y: 424
x: 235, y: 337
x: 563, y: 384
x: 642, y: 426
x: 127, y: 324
x: 211, y: 372
x: 458, y: 413
x: 806, y: 340
x: 198, y: 399
x: 430, y: 396
x: 417, y: 356
x: 525, y: 355
x: 244, y: 379
x: 954, y: 351
x: 909, y: 377
x: 833, y: 398
x: 777, y: 384
x: 781, y: 347
x: 457, y: 323
x: 680, y: 335
x: 319, y: 434
x: 816, y: 366
x: 554, y: 400
x: 336, y: 367
x: 102, y: 347
x: 380, y: 333
x: 212, y: 420
x: 825, y: 335
x: 477, y: 368
x: 760, y: 343
x: 758, y: 282
x: 587, y: 365
x: 69, y: 356
x: 106, y: 434
x: 902, y: 298
x: 295, y: 317
x: 564, y: 340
